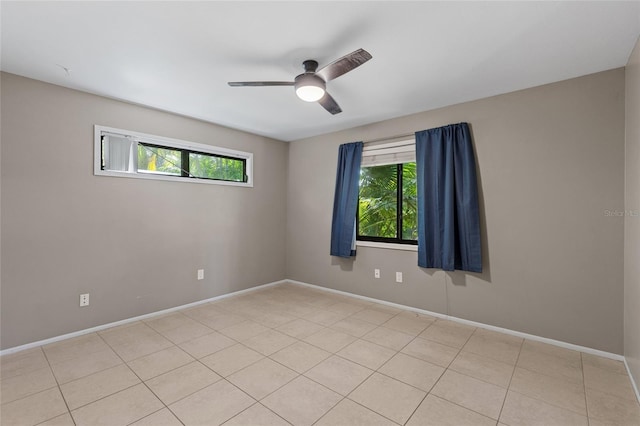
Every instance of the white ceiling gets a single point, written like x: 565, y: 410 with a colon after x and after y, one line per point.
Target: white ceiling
x: 178, y: 56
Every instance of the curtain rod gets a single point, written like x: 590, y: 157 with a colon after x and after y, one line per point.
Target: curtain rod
x: 390, y: 138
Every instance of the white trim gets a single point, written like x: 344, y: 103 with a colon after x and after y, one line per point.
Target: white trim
x: 133, y: 319
x: 633, y: 382
x: 388, y: 246
x: 472, y: 323
x: 330, y: 290
x: 169, y: 142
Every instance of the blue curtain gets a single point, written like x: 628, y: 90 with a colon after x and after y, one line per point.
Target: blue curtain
x: 345, y: 202
x: 448, y: 218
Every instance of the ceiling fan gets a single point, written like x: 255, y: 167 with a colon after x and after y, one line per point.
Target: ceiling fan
x: 311, y: 85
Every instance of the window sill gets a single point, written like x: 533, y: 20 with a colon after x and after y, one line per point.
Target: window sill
x: 388, y: 246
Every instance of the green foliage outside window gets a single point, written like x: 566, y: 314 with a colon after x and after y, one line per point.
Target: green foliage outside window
x: 379, y: 204
x: 159, y: 160
x: 210, y: 167
x: 168, y: 161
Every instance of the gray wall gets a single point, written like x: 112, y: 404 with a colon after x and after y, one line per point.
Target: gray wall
x: 133, y: 244
x: 550, y: 162
x: 632, y: 222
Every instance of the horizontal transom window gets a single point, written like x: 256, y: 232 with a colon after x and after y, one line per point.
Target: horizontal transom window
x: 124, y: 153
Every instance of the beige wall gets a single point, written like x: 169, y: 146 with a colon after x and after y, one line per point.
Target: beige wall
x: 133, y: 244
x: 550, y: 162
x: 632, y: 220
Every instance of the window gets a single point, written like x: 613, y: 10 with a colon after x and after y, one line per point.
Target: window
x: 129, y: 154
x: 387, y: 202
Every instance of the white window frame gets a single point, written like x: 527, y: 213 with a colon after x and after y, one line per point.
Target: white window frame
x: 169, y: 143
x: 382, y: 153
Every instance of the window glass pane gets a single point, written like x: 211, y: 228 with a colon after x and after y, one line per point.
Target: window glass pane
x: 153, y: 159
x: 378, y: 201
x: 212, y: 167
x: 409, y: 202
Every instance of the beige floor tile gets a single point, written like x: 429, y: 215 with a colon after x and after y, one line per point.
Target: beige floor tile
x: 17, y: 387
x: 205, y: 310
x: 212, y: 405
x: 135, y: 340
x: 300, y: 356
x: 384, y: 308
x: 373, y: 316
x: 324, y: 317
x: 274, y: 320
x: 98, y: 385
x: 339, y: 374
x: 611, y: 409
x: 75, y: 368
x: 163, y: 417
x: 330, y: 340
x: 388, y: 338
x: 555, y: 391
x: 231, y: 359
x: 412, y: 371
x: 491, y: 344
x: 301, y: 402
x: 126, y: 333
x: 22, y: 362
x: 476, y: 395
x: 160, y: 362
x: 448, y: 333
x: 407, y: 313
x: 63, y: 420
x: 367, y: 354
x: 269, y: 342
x: 612, y: 365
x: 348, y: 308
x: 388, y: 397
x: 257, y: 415
x: 262, y: 378
x: 168, y: 321
x: 207, y: 344
x: 299, y: 328
x: 186, y: 331
x: 244, y: 330
x: 521, y: 410
x: 33, y: 409
x: 353, y: 326
x: 349, y: 413
x: 181, y: 382
x: 436, y: 411
x: 483, y: 368
x: 118, y: 409
x: 74, y: 348
x: 412, y: 325
x: 609, y: 382
x: 551, y: 350
x: 570, y: 369
x: 432, y: 352
x: 218, y: 322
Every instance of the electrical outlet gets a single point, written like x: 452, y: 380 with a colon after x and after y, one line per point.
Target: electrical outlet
x: 201, y: 274
x: 398, y: 277
x: 84, y: 299
x: 376, y: 273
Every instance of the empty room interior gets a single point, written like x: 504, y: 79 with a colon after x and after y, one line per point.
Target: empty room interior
x: 320, y: 213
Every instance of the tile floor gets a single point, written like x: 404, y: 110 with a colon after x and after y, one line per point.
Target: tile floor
x: 294, y: 355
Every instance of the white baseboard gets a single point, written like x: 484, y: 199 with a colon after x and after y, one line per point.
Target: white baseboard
x: 633, y: 382
x: 472, y: 323
x: 344, y: 293
x: 128, y: 320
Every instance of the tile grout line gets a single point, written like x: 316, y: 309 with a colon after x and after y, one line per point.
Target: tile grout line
x: 506, y: 395
x: 59, y: 388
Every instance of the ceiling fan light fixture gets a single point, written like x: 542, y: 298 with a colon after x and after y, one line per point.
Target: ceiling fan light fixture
x: 309, y: 87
